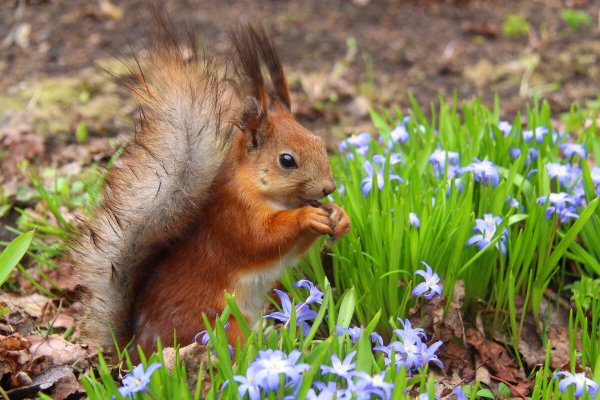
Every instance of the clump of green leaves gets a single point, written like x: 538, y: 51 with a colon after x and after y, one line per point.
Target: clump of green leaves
x: 515, y: 26
x: 576, y: 18
x: 12, y: 254
x: 10, y: 257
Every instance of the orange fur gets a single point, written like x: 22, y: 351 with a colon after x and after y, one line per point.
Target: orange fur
x: 239, y: 233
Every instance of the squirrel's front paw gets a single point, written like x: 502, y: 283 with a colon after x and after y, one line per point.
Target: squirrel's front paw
x: 340, y: 222
x: 316, y: 220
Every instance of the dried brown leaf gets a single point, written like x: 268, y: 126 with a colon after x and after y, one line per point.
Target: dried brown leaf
x: 33, y: 304
x: 59, y: 350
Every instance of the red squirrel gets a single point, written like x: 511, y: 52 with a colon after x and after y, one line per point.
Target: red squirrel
x: 217, y: 191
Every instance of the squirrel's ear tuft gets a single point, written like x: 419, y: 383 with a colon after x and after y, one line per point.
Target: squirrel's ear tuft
x: 250, y: 118
x: 271, y: 60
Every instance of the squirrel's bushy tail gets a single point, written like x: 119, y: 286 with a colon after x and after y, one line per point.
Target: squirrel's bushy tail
x: 160, y: 181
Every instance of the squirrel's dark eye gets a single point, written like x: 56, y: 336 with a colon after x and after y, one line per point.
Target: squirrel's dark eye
x: 287, y: 161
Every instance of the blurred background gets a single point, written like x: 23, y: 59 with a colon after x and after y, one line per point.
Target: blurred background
x: 342, y: 57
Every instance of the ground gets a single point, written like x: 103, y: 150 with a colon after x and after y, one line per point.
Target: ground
x: 59, y: 108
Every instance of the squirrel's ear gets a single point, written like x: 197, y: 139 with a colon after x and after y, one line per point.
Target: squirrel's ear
x: 250, y: 118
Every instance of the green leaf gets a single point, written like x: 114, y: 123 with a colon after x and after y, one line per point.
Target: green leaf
x: 235, y: 310
x: 503, y: 390
x: 485, y: 393
x: 516, y: 218
x: 81, y: 133
x: 380, y: 123
x: 346, y: 309
x: 13, y: 253
x: 571, y: 234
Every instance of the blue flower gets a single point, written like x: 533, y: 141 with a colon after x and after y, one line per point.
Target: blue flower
x: 539, y: 134
x: 596, y: 179
x: 413, y: 219
x: 426, y: 396
x: 431, y: 286
x: 360, y: 143
x: 409, y: 349
x: 505, y: 127
x: 514, y: 203
x: 438, y: 160
x: 514, y: 152
x: 459, y: 393
x: 398, y: 348
x: 569, y: 149
x: 327, y: 392
x: 303, y: 313
x: 270, y: 364
x: 248, y: 383
x: 315, y: 295
x: 596, y: 175
x: 343, y: 369
x: 408, y: 333
x: 366, y: 386
x: 483, y: 171
x: 427, y: 353
x: 581, y: 382
x: 400, y: 133
x: 560, y: 172
x: 561, y: 204
x: 205, y: 337
x: 367, y: 183
x: 376, y: 338
x: 353, y: 332
x: 485, y: 229
x: 138, y: 380
x: 395, y: 158
x: 532, y: 154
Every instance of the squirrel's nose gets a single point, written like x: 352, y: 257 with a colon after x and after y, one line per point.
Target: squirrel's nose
x: 328, y: 188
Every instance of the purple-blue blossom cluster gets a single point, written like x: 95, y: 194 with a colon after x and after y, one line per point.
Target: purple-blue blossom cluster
x: 440, y: 159
x: 446, y: 163
x: 268, y: 370
x: 138, y: 380
x: 339, y: 376
x: 579, y: 381
x: 484, y: 172
x: 375, y: 173
x: 356, y: 384
x: 431, y: 286
x: 303, y: 312
x: 485, y: 230
x: 560, y: 204
x: 410, y: 349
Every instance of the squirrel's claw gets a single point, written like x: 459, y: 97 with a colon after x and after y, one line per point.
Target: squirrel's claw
x: 339, y: 221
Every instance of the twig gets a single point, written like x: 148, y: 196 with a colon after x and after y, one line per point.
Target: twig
x: 54, y: 319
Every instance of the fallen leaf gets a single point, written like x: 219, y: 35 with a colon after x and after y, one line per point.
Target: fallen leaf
x: 496, y: 363
x: 59, y: 350
x: 17, y: 365
x: 34, y: 304
x: 15, y: 321
x: 445, y: 326
x: 61, y: 377
x: 66, y: 386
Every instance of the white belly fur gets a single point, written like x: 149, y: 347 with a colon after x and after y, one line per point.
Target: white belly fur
x: 252, y: 287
